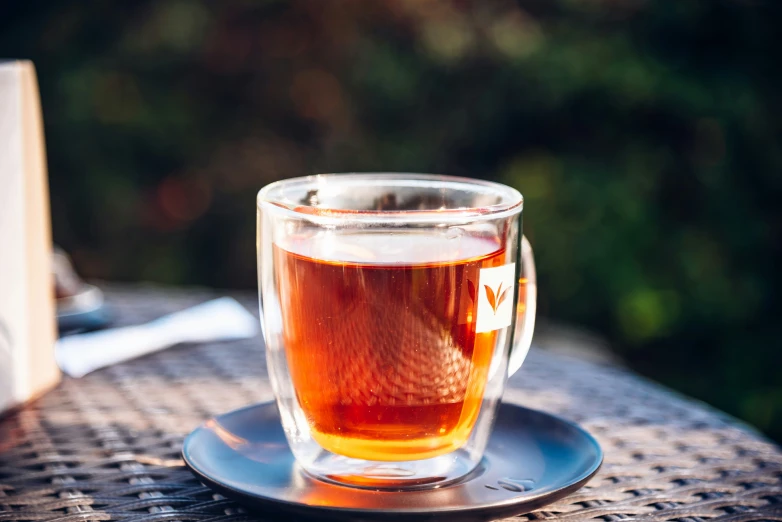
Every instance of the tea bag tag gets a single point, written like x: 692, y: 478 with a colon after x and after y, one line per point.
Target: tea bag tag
x: 496, y: 292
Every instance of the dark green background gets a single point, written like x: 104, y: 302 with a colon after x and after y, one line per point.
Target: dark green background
x: 646, y: 137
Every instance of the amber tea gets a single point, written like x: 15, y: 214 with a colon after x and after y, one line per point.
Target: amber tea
x: 380, y: 338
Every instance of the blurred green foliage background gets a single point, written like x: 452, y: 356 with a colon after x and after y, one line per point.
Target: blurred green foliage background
x: 646, y: 137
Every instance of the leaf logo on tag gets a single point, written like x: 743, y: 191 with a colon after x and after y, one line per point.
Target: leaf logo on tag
x: 494, y: 309
x: 494, y: 302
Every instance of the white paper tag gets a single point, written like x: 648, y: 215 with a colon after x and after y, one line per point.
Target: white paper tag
x: 496, y: 297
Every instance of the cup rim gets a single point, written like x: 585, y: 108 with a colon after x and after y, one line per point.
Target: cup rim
x: 511, y: 201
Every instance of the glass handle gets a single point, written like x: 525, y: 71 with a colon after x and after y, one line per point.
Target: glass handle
x: 525, y: 309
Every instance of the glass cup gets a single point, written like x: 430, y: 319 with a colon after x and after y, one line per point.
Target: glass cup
x: 394, y: 307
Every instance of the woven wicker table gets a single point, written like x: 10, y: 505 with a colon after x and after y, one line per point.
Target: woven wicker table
x: 106, y: 447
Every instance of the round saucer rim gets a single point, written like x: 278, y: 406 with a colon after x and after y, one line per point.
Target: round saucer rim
x: 549, y: 495
x: 554, y: 493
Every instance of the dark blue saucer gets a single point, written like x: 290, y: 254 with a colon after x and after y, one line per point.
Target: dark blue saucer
x: 83, y: 311
x: 533, y: 459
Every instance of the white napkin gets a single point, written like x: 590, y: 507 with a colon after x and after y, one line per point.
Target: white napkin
x: 220, y: 319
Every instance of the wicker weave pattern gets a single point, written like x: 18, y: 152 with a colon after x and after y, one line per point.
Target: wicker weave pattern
x: 106, y: 447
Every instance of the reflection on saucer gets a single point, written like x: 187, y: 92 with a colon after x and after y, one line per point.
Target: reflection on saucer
x: 263, y: 452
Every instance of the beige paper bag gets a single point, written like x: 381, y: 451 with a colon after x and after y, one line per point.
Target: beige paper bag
x: 27, y: 309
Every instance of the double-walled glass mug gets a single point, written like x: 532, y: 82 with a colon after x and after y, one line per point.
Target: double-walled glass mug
x: 393, y: 307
